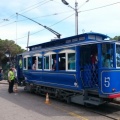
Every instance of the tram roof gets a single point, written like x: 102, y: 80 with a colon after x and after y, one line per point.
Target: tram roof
x: 67, y: 40
x: 94, y: 33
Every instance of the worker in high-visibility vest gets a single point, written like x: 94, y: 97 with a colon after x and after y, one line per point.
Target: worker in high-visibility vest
x: 20, y: 63
x: 11, y: 78
x: 15, y: 79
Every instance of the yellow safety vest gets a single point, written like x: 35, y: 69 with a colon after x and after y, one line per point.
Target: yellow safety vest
x: 20, y: 63
x: 11, y: 75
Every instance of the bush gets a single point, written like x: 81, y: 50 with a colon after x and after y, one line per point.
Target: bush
x: 5, y: 71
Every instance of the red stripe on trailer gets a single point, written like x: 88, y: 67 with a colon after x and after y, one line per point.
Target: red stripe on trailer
x: 114, y: 95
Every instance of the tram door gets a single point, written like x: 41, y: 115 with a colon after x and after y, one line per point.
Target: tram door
x: 20, y: 76
x: 88, y: 64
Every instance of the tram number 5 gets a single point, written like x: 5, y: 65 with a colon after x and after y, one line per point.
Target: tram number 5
x: 107, y: 81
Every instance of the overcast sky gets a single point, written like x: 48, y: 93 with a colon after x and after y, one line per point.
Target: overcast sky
x: 102, y: 16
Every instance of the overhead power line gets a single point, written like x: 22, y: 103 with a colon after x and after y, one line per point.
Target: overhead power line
x: 68, y: 17
x: 36, y: 18
x: 54, y: 23
x: 78, y: 11
x: 83, y: 4
x: 7, y: 24
x: 32, y: 6
x: 72, y: 15
x: 29, y: 8
x: 99, y: 7
x: 36, y: 6
x: 46, y: 15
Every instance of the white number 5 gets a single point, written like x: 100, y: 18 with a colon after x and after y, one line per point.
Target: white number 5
x: 107, y: 81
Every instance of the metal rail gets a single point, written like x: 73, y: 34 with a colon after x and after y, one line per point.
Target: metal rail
x: 107, y: 110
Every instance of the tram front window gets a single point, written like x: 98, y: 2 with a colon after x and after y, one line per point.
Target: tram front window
x: 118, y: 55
x: 29, y: 63
x: 24, y: 63
x: 46, y: 62
x: 71, y: 61
x: 62, y: 61
x: 40, y: 62
x: 107, y: 55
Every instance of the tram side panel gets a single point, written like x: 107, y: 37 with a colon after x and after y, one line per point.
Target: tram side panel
x: 110, y: 83
x: 61, y: 80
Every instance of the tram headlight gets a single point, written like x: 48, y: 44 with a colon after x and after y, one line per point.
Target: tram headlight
x: 113, y: 90
x: 75, y: 84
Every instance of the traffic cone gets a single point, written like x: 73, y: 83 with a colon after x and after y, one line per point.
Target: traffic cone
x: 47, y: 101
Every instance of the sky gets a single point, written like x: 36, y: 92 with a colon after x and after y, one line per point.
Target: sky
x: 101, y: 16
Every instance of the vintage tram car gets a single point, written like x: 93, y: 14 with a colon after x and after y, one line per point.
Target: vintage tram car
x: 78, y: 76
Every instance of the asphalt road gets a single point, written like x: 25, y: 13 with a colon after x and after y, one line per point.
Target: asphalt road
x: 27, y: 106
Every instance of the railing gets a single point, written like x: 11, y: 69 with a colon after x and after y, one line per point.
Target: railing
x: 89, y: 76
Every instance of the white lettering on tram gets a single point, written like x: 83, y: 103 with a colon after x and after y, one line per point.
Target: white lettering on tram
x: 107, y: 81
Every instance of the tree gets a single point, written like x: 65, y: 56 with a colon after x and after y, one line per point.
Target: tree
x: 116, y: 38
x: 12, y: 47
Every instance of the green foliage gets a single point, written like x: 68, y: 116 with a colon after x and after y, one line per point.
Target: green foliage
x: 13, y: 48
x: 116, y: 38
x: 5, y: 71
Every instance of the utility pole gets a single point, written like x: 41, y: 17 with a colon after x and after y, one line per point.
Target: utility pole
x: 76, y: 14
x: 28, y: 40
x: 76, y: 17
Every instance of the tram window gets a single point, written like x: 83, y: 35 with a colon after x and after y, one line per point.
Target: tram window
x: 29, y: 62
x: 86, y: 53
x: 107, y: 55
x: 24, y: 63
x: 52, y: 61
x: 71, y: 61
x: 62, y: 61
x: 40, y: 62
x: 118, y: 55
x: 46, y: 62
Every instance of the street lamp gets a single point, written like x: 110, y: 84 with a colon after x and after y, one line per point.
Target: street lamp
x: 76, y: 13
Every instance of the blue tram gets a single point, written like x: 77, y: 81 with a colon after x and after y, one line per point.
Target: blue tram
x: 87, y: 68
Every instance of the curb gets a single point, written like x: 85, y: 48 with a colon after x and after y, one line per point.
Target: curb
x: 3, y: 82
